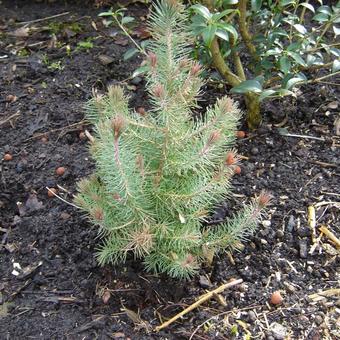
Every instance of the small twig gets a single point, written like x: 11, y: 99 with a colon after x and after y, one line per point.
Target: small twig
x: 324, y: 294
x: 324, y: 165
x: 320, y: 204
x: 2, y: 122
x: 201, y: 300
x: 42, y: 19
x: 300, y: 136
x: 330, y: 235
x: 312, y: 221
x: 214, y: 317
x: 82, y: 122
x: 63, y: 200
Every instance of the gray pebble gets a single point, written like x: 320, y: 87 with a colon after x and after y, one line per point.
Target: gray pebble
x: 303, y: 248
x: 279, y: 234
x: 254, y: 151
x: 252, y: 316
x: 204, y: 282
x: 291, y: 223
x: 304, y: 232
x: 136, y: 80
x: 318, y: 320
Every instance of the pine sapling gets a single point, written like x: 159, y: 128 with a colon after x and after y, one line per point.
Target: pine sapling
x: 160, y: 173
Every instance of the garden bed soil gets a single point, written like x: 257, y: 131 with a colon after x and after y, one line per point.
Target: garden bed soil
x: 50, y: 284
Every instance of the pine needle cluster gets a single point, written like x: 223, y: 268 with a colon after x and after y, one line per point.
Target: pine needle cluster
x: 160, y: 174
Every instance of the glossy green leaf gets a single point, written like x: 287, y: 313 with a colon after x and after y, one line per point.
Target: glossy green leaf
x: 336, y: 30
x: 219, y: 16
x: 222, y: 34
x: 202, y: 10
x: 265, y: 94
x: 308, y: 6
x: 336, y: 66
x: 294, y: 47
x: 335, y: 51
x: 292, y: 80
x: 130, y: 53
x: 310, y: 60
x: 300, y: 28
x: 285, y: 92
x: 273, y: 51
x: 256, y: 5
x: 106, y: 14
x: 324, y: 9
x: 208, y: 34
x: 321, y: 17
x: 248, y: 86
x: 140, y: 70
x: 298, y: 59
x: 284, y: 3
x: 285, y: 64
x: 126, y: 20
x: 230, y: 2
x: 229, y: 28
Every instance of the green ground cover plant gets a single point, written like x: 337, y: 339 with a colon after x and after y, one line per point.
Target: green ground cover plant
x: 160, y: 174
x: 263, y: 49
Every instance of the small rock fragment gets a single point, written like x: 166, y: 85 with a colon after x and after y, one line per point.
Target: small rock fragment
x: 252, y: 316
x: 318, y: 320
x: 303, y: 248
x: 291, y: 223
x: 204, y: 282
x: 136, y: 80
x: 279, y: 332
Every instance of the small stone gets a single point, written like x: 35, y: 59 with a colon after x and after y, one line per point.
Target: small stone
x: 266, y: 223
x: 278, y: 331
x: 243, y: 287
x: 303, y: 319
x: 105, y: 59
x: 65, y: 216
x: 204, y: 282
x: 252, y: 316
x: 303, y: 248
x: 309, y: 269
x: 263, y: 241
x: 290, y: 288
x: 318, y: 320
x: 333, y: 105
x: 136, y: 80
x: 291, y: 223
x: 254, y: 151
x: 279, y: 234
x: 304, y: 232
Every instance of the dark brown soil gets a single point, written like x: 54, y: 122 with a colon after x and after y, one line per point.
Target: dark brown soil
x: 58, y: 292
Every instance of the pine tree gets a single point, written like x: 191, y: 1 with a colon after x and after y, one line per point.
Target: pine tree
x: 159, y: 175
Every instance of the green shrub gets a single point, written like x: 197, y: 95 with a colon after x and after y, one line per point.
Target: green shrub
x: 160, y: 174
x: 263, y: 49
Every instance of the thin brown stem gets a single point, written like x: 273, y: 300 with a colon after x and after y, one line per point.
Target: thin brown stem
x: 237, y: 60
x: 222, y: 66
x: 246, y: 36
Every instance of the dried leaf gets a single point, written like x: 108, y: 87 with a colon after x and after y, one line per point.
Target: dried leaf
x: 106, y: 296
x: 32, y: 203
x: 136, y: 319
x: 333, y: 105
x: 121, y: 41
x: 21, y: 32
x: 105, y: 60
